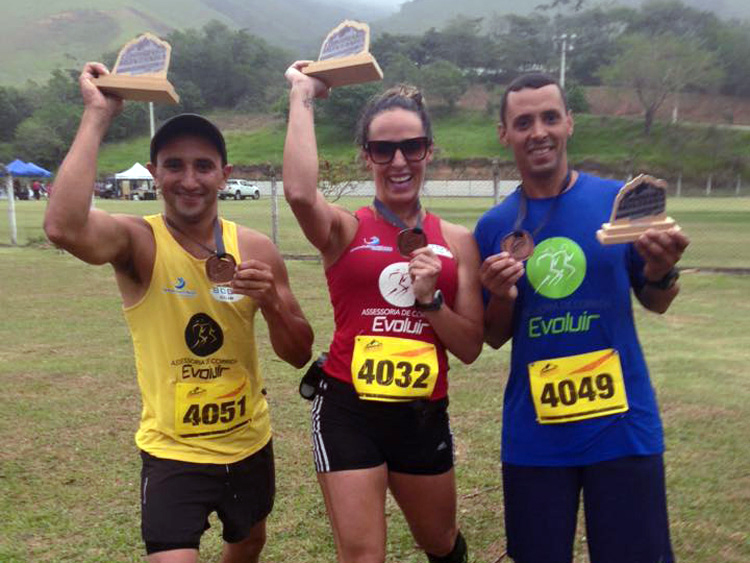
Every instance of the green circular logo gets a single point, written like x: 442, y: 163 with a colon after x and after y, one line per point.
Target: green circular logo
x: 557, y: 267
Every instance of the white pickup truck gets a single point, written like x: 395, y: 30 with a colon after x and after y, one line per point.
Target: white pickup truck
x: 239, y: 189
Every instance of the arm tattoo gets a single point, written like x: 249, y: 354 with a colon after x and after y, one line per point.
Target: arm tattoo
x: 309, y: 102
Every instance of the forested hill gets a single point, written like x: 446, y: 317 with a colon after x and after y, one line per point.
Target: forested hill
x: 38, y: 36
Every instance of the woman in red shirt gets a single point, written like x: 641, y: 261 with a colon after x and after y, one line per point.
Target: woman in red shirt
x: 404, y: 288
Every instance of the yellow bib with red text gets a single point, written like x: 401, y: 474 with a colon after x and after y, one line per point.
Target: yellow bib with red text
x: 578, y: 387
x: 386, y: 368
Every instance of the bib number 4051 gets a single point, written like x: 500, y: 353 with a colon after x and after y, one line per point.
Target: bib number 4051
x: 402, y: 374
x: 565, y: 392
x: 213, y: 413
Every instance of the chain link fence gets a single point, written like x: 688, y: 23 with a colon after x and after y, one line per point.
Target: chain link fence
x: 713, y: 211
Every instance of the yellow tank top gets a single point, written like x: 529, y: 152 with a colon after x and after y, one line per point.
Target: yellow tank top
x: 196, y: 360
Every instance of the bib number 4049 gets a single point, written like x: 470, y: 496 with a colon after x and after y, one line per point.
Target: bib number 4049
x: 579, y: 387
x: 589, y: 388
x: 402, y: 374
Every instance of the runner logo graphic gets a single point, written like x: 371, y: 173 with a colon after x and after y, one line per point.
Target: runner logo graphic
x: 395, y: 285
x: 203, y: 335
x: 557, y: 267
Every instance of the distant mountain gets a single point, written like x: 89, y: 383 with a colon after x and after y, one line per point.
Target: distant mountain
x: 38, y: 37
x: 417, y: 16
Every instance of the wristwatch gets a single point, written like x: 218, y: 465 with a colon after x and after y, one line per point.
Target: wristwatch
x: 434, y: 305
x: 669, y: 279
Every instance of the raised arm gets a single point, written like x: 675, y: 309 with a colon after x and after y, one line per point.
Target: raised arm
x: 499, y: 274
x: 459, y: 328
x: 69, y: 222
x: 320, y: 221
x: 265, y: 279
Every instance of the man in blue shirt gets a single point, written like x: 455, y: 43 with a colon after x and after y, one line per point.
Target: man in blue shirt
x: 580, y: 414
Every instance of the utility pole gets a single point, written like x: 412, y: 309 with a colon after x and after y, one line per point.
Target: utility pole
x: 566, y: 45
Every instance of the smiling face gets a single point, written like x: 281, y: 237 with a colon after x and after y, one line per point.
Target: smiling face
x: 189, y: 173
x: 400, y: 180
x: 537, y: 127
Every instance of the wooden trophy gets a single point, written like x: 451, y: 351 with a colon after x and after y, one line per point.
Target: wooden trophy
x: 640, y: 205
x: 140, y: 72
x: 345, y: 57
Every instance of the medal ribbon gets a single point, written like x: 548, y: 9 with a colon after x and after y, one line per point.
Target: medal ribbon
x: 394, y: 219
x: 220, y: 251
x: 522, y: 209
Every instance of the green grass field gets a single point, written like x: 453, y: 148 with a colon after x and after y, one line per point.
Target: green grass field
x: 719, y: 227
x: 69, y: 470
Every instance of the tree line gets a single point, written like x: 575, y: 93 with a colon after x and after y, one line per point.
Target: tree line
x: 664, y: 47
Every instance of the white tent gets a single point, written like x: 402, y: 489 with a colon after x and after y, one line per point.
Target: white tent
x: 135, y: 172
x: 136, y: 183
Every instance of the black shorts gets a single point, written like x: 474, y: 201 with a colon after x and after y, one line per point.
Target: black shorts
x: 177, y: 498
x: 625, y: 506
x: 351, y: 433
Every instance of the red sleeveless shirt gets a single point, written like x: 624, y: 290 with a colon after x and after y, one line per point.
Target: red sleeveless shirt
x: 371, y: 293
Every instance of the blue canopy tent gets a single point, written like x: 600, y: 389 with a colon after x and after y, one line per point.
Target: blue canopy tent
x: 26, y: 170
x: 19, y: 168
x: 40, y: 172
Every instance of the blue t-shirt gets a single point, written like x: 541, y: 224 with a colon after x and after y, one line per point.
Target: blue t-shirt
x: 574, y: 298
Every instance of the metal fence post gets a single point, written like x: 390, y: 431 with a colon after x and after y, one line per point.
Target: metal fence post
x: 274, y: 210
x: 709, y: 184
x: 11, y: 207
x: 496, y: 181
x: 679, y: 185
x: 738, y: 186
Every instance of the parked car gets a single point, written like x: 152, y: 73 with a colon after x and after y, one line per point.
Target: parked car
x: 239, y: 189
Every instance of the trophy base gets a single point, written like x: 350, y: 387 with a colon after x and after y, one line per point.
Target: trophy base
x: 139, y: 88
x: 619, y: 234
x: 354, y: 69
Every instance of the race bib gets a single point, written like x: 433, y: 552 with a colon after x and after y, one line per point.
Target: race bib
x: 386, y: 368
x: 578, y: 387
x: 208, y: 409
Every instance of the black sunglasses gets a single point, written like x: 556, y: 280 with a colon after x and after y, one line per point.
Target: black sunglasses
x: 382, y: 152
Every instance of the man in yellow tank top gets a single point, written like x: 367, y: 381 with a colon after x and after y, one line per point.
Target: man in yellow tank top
x: 191, y: 284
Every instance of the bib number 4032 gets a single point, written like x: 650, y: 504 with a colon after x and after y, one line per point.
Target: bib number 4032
x: 402, y: 374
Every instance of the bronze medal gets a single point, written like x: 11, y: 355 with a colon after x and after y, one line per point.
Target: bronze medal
x: 410, y: 240
x: 518, y: 244
x: 220, y: 269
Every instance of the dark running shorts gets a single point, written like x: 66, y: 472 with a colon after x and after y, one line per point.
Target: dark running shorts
x: 177, y: 498
x: 350, y: 433
x: 625, y: 505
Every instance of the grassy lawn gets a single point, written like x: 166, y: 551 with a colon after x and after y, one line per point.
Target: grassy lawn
x: 69, y: 473
x: 719, y: 228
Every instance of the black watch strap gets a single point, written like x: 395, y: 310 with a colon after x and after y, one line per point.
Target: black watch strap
x: 669, y: 279
x: 434, y: 305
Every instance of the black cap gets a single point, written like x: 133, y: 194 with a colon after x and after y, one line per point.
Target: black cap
x: 188, y: 124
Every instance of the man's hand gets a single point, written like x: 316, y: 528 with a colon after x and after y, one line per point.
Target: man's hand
x: 499, y: 274
x: 255, y: 279
x: 661, y: 250
x: 93, y: 98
